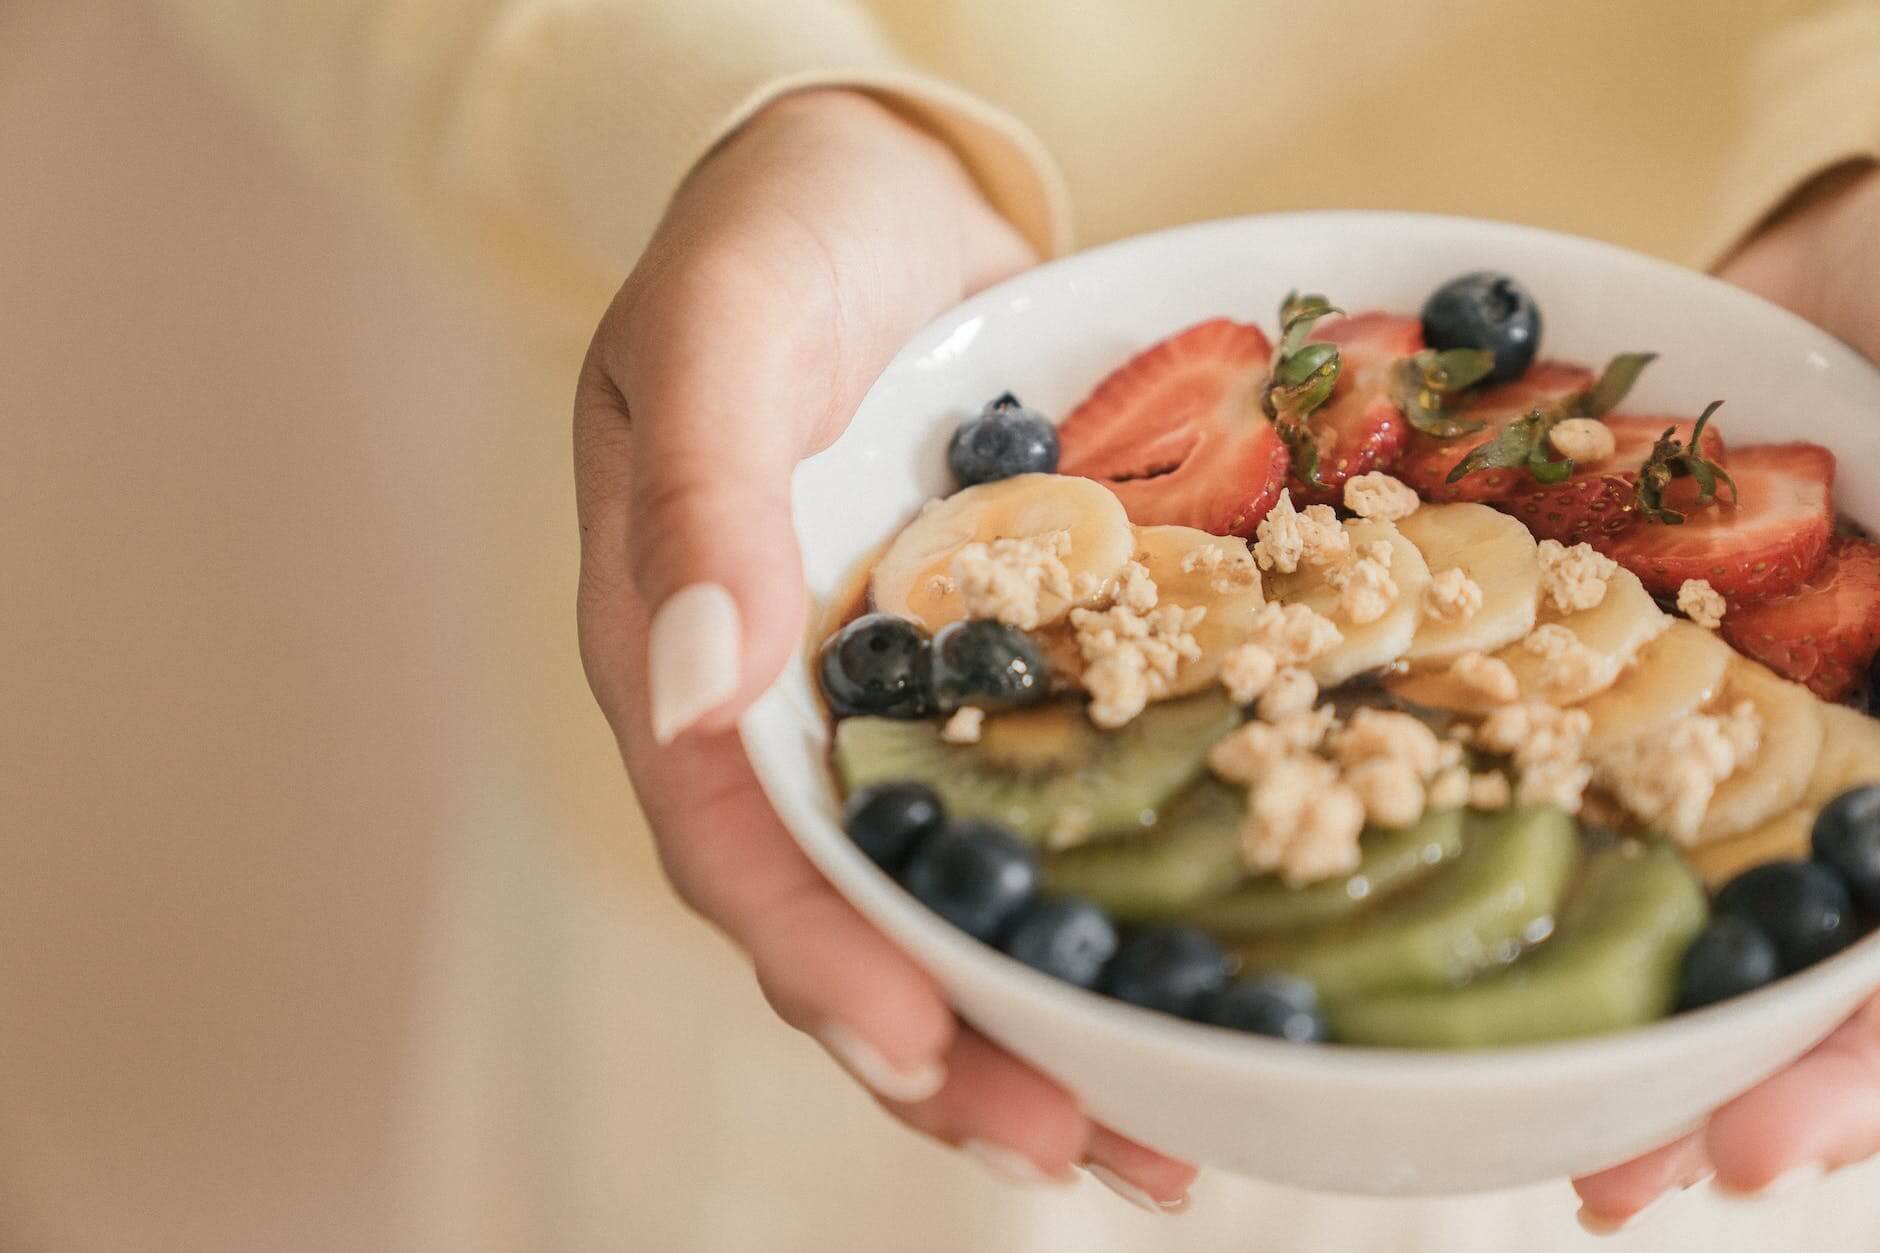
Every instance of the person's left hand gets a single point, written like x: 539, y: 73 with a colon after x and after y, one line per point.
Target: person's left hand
x: 1822, y: 260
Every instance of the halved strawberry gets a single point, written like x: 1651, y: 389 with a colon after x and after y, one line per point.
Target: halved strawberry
x: 1361, y: 428
x: 1178, y: 432
x: 1598, y: 501
x: 1824, y: 633
x: 1767, y: 541
x: 1427, y: 460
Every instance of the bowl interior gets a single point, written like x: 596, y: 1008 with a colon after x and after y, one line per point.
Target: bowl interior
x: 1050, y: 334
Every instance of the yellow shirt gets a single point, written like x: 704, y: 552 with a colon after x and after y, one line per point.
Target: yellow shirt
x: 538, y: 140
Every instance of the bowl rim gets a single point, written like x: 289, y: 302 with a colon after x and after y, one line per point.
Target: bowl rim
x: 889, y: 906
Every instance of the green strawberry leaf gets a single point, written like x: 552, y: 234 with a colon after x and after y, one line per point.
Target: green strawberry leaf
x: 1613, y: 383
x: 1426, y: 387
x: 1297, y: 314
x: 1671, y: 459
x: 1513, y: 448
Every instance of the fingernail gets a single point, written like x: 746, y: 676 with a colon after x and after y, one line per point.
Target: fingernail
x: 692, y: 657
x: 1133, y: 1194
x: 1593, y: 1224
x: 1795, y: 1179
x: 1008, y: 1164
x: 870, y: 1068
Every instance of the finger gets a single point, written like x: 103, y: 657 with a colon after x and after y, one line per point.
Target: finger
x: 1612, y: 1198
x: 1018, y: 1123
x: 1140, y: 1175
x: 1819, y: 1114
x: 825, y: 969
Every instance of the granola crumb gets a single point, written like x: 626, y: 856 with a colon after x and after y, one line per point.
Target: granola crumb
x: 1135, y: 590
x: 1327, y: 542
x: 1303, y: 823
x: 1247, y: 754
x: 1492, y: 677
x: 1379, y: 495
x: 1585, y: 440
x: 1489, y: 791
x: 964, y: 726
x: 1247, y: 671
x: 1453, y: 596
x: 1668, y: 779
x: 1701, y: 603
x: 1560, y: 783
x: 1449, y: 789
x: 1228, y: 570
x: 1294, y: 634
x: 1575, y: 578
x: 1286, y: 537
x: 1567, y: 664
x: 1011, y: 579
x: 1365, y: 589
x: 1070, y: 828
x: 1388, y: 735
x: 1390, y: 789
x: 1291, y: 691
x: 1131, y: 658
x: 941, y: 585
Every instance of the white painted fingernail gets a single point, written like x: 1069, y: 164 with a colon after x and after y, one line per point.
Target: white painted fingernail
x: 870, y: 1068
x: 1008, y: 1164
x: 1796, y: 1179
x: 693, y: 657
x: 1131, y: 1193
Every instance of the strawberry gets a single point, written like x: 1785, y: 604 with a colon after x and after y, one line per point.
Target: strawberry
x: 1764, y: 541
x: 1428, y: 461
x: 1178, y: 432
x: 1824, y: 633
x: 1361, y: 428
x: 1599, y: 499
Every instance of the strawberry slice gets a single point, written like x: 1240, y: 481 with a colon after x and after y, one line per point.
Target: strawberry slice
x: 1361, y: 428
x: 1427, y: 460
x: 1824, y: 633
x: 1598, y: 501
x: 1178, y: 433
x: 1767, y: 542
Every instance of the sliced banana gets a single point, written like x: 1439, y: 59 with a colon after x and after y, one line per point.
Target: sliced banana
x: 1499, y: 555
x: 1675, y: 675
x: 1779, y: 776
x: 912, y: 578
x: 1191, y: 567
x: 1850, y: 756
x: 1368, y: 646
x: 1613, y: 632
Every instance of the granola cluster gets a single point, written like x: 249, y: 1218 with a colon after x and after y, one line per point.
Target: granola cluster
x: 1378, y: 495
x: 1011, y: 580
x: 1668, y: 779
x: 1130, y: 657
x: 1575, y: 578
x: 1701, y: 603
x: 1287, y: 537
x: 1452, y: 596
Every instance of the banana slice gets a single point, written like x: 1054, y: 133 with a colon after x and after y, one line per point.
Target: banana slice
x: 1614, y: 632
x: 1366, y: 646
x: 1780, y: 775
x: 1850, y: 756
x: 1191, y: 567
x: 1494, y: 550
x: 911, y: 579
x: 1675, y: 675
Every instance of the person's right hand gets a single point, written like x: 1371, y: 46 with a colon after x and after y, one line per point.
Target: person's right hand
x: 790, y: 267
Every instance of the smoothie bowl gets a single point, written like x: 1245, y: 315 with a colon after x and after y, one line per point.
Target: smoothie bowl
x: 1403, y: 740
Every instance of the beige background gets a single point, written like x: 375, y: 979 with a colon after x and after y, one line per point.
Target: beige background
x: 325, y: 918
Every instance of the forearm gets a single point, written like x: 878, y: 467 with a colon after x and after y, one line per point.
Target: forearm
x: 1819, y: 255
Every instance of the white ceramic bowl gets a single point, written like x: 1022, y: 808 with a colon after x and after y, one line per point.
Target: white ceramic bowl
x: 1343, y: 1119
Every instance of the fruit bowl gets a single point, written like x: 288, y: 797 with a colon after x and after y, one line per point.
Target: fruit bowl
x: 1374, y: 1121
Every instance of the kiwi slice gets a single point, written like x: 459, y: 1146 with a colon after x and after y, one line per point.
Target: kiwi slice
x: 1498, y: 895
x: 1613, y: 964
x: 1046, y: 773
x: 1193, y: 852
x: 1392, y: 861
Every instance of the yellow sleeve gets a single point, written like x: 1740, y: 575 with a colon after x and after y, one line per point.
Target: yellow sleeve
x: 1813, y: 100
x: 548, y: 135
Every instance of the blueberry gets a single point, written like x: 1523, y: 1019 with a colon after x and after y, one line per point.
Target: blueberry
x: 878, y: 664
x: 1873, y: 686
x: 986, y: 663
x: 974, y: 875
x: 1847, y: 838
x: 1489, y: 311
x: 1282, y: 1006
x: 1066, y: 937
x: 1173, y: 969
x: 888, y: 820
x: 1005, y: 439
x: 1729, y: 957
x: 1802, y: 906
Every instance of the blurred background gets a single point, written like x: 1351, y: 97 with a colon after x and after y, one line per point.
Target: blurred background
x: 326, y: 918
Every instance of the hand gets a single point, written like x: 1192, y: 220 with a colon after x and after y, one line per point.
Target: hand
x: 791, y: 266
x: 1821, y: 259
